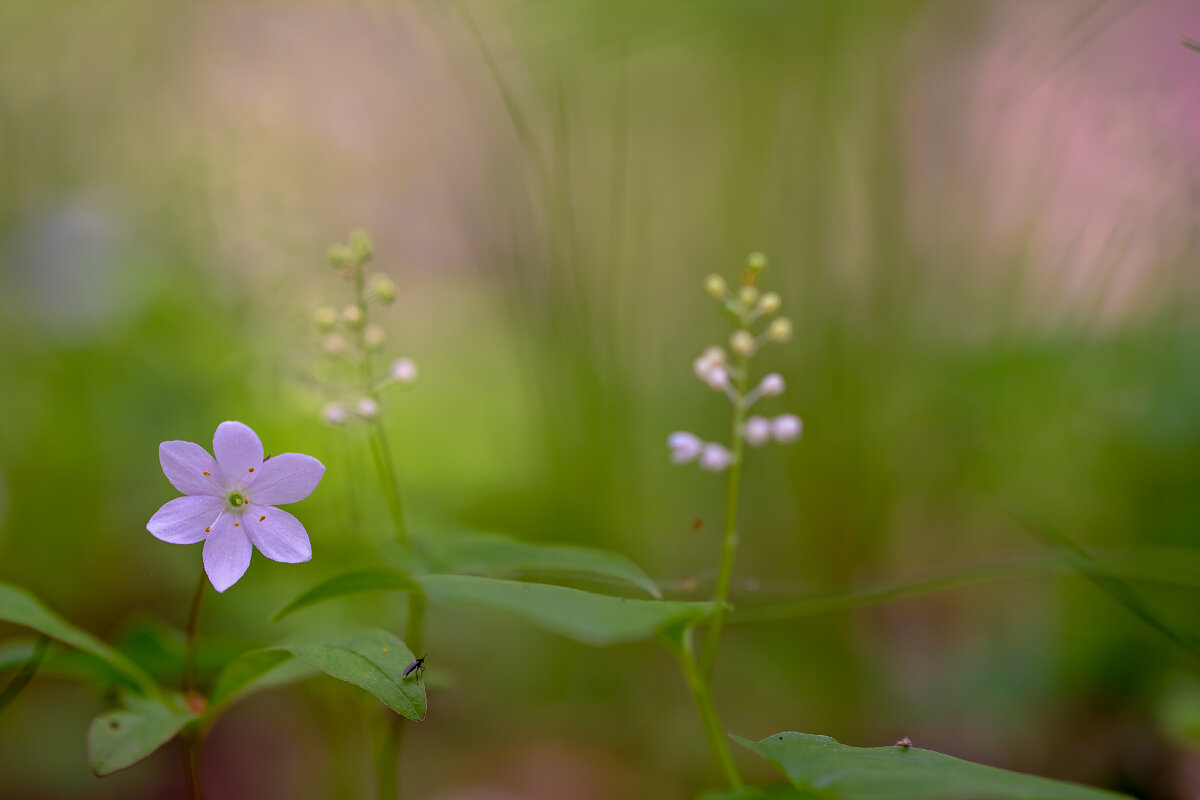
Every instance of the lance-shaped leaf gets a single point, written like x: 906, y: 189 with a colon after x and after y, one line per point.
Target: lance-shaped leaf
x: 597, y: 619
x: 834, y: 771
x: 122, y: 737
x: 360, y: 580
x: 22, y: 608
x: 497, y: 555
x: 373, y: 660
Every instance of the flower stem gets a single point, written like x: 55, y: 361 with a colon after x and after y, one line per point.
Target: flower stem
x: 701, y: 692
x: 387, y: 761
x: 192, y: 737
x: 708, y: 655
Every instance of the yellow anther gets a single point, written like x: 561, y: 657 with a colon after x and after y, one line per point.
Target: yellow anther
x: 207, y: 474
x: 264, y: 516
x: 236, y: 524
x: 251, y: 469
x: 208, y: 529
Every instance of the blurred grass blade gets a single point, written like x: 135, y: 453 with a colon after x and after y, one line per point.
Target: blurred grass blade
x: 1175, y: 566
x: 122, y: 737
x: 822, y: 767
x: 499, y: 555
x: 373, y: 660
x: 22, y: 608
x: 1125, y: 594
x: 362, y: 580
x: 596, y: 619
x: 25, y: 675
x: 1192, y: 44
x: 781, y: 791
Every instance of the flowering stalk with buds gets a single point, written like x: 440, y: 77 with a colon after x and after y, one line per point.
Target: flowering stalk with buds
x: 352, y: 335
x: 729, y: 373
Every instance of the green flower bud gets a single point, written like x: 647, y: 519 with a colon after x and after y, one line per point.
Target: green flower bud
x: 361, y: 248
x: 325, y: 319
x: 757, y: 262
x: 780, y: 330
x: 340, y: 256
x: 714, y: 285
x: 769, y: 303
x: 352, y: 316
x: 384, y: 289
x: 748, y: 295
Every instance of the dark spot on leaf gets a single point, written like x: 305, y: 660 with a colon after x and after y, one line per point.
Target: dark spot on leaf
x: 114, y: 724
x: 780, y: 738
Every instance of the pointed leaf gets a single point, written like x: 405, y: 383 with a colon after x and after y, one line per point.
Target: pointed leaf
x: 373, y: 660
x: 122, y: 737
x: 822, y: 765
x: 597, y: 619
x: 361, y: 580
x: 495, y: 554
x: 22, y: 608
x: 26, y: 673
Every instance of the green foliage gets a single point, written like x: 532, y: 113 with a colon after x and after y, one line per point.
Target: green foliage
x: 822, y: 767
x: 22, y: 608
x: 373, y: 660
x: 596, y: 619
x: 122, y: 737
x: 28, y: 669
x: 500, y: 555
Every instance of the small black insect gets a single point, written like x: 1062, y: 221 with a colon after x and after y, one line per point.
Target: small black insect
x: 419, y: 664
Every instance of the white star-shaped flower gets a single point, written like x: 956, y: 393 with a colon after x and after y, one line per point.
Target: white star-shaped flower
x: 229, y: 502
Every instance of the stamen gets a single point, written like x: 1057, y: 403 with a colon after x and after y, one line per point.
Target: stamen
x: 207, y: 474
x: 251, y: 469
x: 208, y: 528
x: 236, y: 524
x: 264, y: 516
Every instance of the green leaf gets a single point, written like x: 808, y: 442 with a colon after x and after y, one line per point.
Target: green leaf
x: 831, y: 770
x: 591, y: 618
x: 120, y: 738
x: 495, y: 554
x: 26, y: 673
x: 373, y: 660
x: 781, y: 791
x: 60, y: 662
x: 362, y: 580
x: 21, y: 608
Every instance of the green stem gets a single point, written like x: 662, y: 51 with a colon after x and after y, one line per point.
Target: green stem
x: 192, y: 738
x: 702, y: 693
x: 712, y: 638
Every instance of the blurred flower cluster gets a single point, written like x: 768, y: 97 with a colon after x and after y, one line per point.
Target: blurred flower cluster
x: 729, y: 371
x: 350, y: 335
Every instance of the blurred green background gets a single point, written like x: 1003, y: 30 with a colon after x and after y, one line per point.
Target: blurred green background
x: 981, y: 217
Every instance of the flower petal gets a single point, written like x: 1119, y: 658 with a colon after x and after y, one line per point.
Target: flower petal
x: 190, y: 468
x: 239, y: 452
x: 286, y: 478
x: 183, y: 520
x: 226, y: 552
x: 277, y: 534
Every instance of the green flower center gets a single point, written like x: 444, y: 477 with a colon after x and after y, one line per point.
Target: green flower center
x: 237, y: 500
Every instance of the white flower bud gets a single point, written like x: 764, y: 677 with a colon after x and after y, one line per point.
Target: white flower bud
x: 684, y: 446
x: 714, y: 285
x: 352, y: 316
x: 712, y: 358
x: 716, y: 378
x: 715, y: 458
x: 769, y: 303
x: 403, y: 370
x: 758, y: 431
x: 325, y: 319
x: 780, y: 330
x: 334, y: 413
x: 742, y: 342
x: 373, y: 337
x: 748, y: 295
x: 368, y: 408
x: 334, y: 343
x: 716, y: 354
x: 772, y: 385
x: 786, y: 428
x: 756, y: 262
